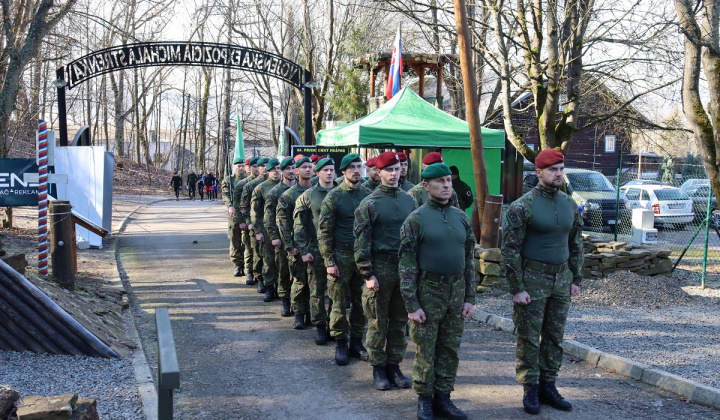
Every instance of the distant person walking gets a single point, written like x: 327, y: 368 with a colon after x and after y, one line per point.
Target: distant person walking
x: 209, y: 179
x: 176, y: 184
x: 215, y: 183
x: 191, y: 181
x: 464, y: 193
x: 201, y: 184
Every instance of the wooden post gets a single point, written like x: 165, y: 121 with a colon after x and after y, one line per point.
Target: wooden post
x: 63, y: 252
x: 490, y: 236
x: 372, y: 82
x: 471, y: 105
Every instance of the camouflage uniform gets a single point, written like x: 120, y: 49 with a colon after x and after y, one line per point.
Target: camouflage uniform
x: 370, y: 185
x: 271, y: 228
x: 543, y: 255
x: 299, y: 292
x: 336, y: 240
x: 405, y: 185
x: 421, y: 195
x: 257, y: 211
x: 377, y: 240
x: 437, y: 275
x: 247, y: 245
x: 255, y: 252
x: 306, y: 215
x: 234, y: 232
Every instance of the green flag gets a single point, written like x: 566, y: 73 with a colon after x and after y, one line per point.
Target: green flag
x: 281, y: 141
x: 239, y: 144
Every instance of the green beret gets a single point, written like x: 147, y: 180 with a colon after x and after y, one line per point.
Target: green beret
x: 263, y: 161
x: 323, y: 162
x: 238, y: 160
x: 271, y: 163
x: 286, y: 162
x: 301, y: 161
x: 254, y: 161
x: 348, y: 159
x: 436, y: 170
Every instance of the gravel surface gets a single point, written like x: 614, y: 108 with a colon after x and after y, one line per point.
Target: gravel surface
x: 669, y: 323
x: 110, y: 382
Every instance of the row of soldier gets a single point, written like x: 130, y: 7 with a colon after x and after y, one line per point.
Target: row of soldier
x: 383, y: 250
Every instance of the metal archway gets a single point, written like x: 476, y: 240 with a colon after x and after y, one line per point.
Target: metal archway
x: 180, y: 53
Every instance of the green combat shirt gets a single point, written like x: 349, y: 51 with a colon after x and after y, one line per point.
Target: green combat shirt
x: 284, y: 217
x: 542, y: 225
x: 421, y: 195
x: 436, y: 238
x: 247, y: 196
x: 377, y: 225
x: 337, y: 216
x: 306, y: 218
x: 228, y: 195
x: 369, y: 184
x: 270, y: 211
x: 406, y: 185
x: 257, y: 204
x: 237, y: 195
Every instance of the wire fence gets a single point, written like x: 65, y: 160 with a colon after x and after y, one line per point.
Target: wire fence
x: 681, y: 210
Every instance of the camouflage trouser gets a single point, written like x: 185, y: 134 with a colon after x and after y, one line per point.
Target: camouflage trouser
x: 317, y: 282
x: 386, y: 315
x: 257, y: 263
x: 283, y: 266
x: 540, y: 325
x: 247, y: 244
x: 299, y: 291
x: 269, y: 263
x: 236, y: 245
x: 349, y: 284
x: 438, y: 338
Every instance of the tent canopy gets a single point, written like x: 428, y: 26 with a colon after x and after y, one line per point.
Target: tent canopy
x: 409, y: 121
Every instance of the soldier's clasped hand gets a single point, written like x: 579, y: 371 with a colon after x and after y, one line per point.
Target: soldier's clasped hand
x: 231, y: 211
x: 522, y: 298
x: 417, y: 316
x: 333, y: 271
x: 276, y: 243
x: 308, y: 257
x: 372, y: 283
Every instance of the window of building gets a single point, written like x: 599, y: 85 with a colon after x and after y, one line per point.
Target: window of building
x: 609, y: 144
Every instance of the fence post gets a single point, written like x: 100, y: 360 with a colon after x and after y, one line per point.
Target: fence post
x: 707, y: 235
x: 617, y: 192
x: 168, y: 368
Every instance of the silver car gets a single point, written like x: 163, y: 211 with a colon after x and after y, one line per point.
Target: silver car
x: 670, y: 204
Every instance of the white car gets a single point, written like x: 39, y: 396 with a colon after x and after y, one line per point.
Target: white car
x: 670, y: 204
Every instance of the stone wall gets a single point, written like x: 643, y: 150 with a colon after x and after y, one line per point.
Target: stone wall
x: 601, y: 259
x: 56, y: 407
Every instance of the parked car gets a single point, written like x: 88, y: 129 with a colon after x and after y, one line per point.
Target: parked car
x: 594, y: 195
x: 698, y: 193
x: 694, y: 182
x: 669, y: 204
x: 643, y: 182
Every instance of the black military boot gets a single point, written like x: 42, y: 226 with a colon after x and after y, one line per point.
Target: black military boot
x: 299, y: 323
x: 285, y: 310
x: 249, y: 280
x: 530, y: 398
x: 425, y: 407
x: 380, y: 380
x: 269, y: 293
x: 357, y: 349
x: 260, y: 285
x: 444, y: 407
x: 549, y: 395
x: 327, y: 333
x: 341, y: 352
x: 308, y: 320
x: 396, y: 377
x: 238, y: 271
x: 321, y: 335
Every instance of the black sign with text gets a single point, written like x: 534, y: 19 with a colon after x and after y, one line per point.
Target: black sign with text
x: 336, y: 153
x: 15, y: 190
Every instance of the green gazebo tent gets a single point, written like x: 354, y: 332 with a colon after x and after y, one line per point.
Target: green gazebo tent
x: 408, y: 121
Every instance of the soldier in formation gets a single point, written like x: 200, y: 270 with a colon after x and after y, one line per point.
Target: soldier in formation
x: 543, y: 255
x: 299, y: 291
x: 437, y: 278
x: 403, y: 183
x: 373, y: 179
x: 419, y: 192
x: 272, y: 234
x: 230, y: 184
x: 336, y: 240
x: 251, y: 168
x: 377, y: 228
x: 245, y: 203
x: 257, y: 212
x: 306, y: 220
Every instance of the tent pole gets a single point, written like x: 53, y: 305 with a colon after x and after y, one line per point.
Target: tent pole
x: 471, y: 105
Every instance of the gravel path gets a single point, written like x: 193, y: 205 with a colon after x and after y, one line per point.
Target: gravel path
x: 669, y: 323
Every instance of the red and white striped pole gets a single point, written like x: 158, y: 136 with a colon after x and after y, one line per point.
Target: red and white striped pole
x: 42, y: 199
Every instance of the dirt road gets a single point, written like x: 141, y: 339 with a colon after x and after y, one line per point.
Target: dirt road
x: 240, y: 360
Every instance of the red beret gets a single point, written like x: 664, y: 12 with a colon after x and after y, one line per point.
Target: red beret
x: 299, y: 156
x: 247, y: 161
x: 322, y: 156
x: 432, y: 157
x: 402, y: 157
x: 548, y: 157
x: 370, y: 162
x: 386, y: 159
x: 314, y: 158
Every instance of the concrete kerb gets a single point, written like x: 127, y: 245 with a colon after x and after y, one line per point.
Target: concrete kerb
x: 141, y: 368
x: 694, y: 391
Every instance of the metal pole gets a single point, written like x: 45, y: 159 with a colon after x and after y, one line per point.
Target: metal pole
x: 307, y: 102
x: 707, y: 234
x: 471, y: 105
x: 62, y: 111
x: 617, y: 193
